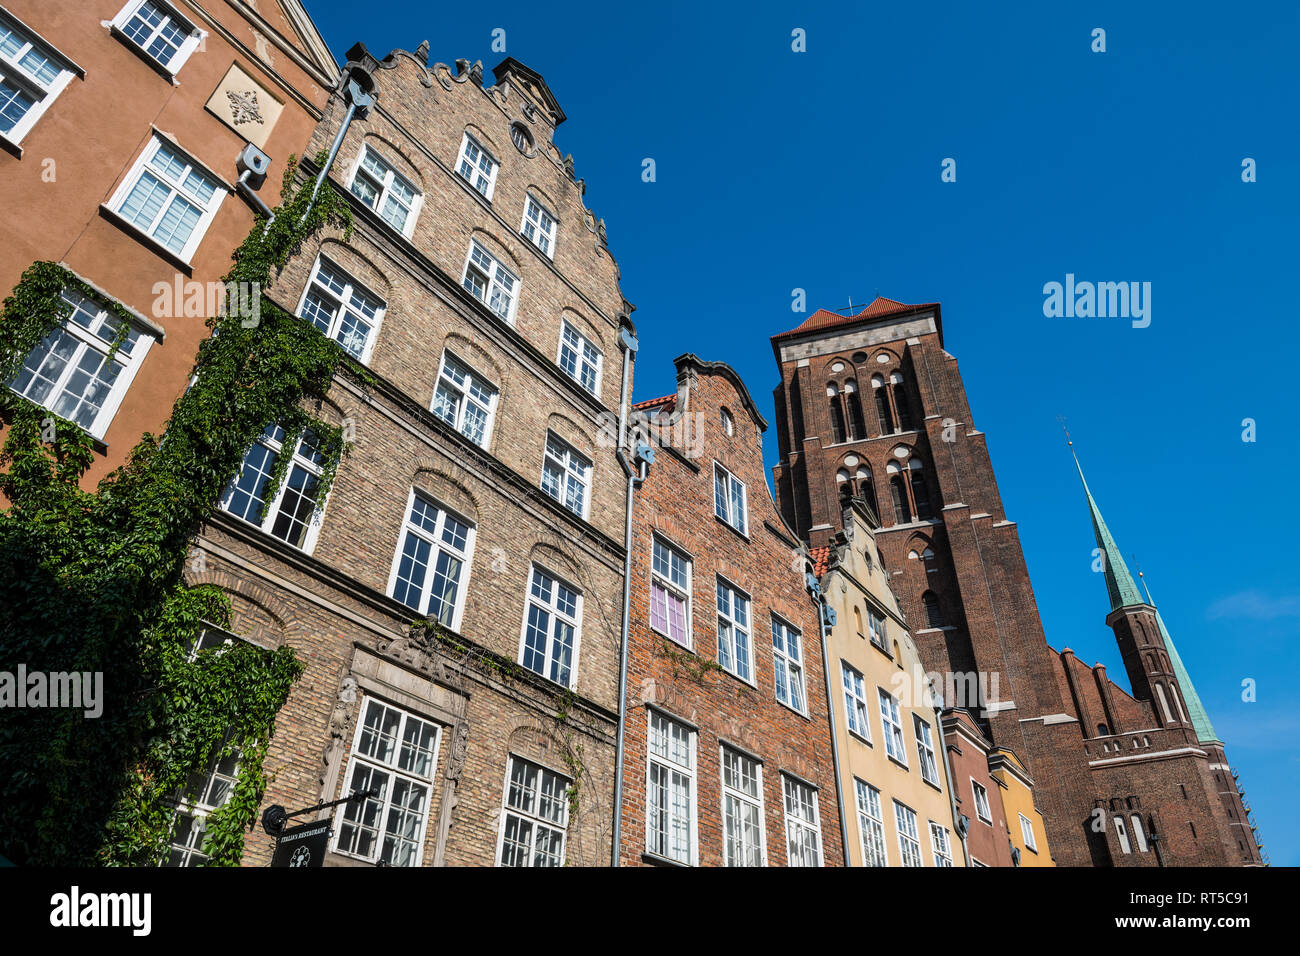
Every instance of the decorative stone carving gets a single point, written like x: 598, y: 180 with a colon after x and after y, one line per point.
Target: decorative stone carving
x: 244, y: 107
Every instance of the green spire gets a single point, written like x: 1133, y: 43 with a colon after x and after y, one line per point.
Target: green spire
x: 1119, y: 582
x: 1196, y: 712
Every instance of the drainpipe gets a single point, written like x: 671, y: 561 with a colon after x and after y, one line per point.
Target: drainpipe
x: 826, y: 620
x: 636, y: 473
x: 359, y: 101
x: 244, y: 189
x: 947, y: 773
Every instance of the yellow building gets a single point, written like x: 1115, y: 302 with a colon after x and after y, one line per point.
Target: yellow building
x: 894, y: 784
x: 1024, y: 822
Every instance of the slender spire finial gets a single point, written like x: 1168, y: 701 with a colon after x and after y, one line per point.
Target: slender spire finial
x: 1142, y: 580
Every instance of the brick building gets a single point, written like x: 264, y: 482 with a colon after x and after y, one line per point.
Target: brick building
x: 483, y: 304
x: 121, y: 123
x: 728, y: 755
x: 872, y: 407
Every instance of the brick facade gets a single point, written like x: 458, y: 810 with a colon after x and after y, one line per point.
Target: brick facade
x: 872, y: 406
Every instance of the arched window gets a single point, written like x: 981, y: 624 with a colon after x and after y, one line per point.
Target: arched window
x: 857, y: 424
x: 882, y: 405
x: 866, y: 490
x: 837, y: 414
x: 921, y: 495
x: 1103, y: 730
x: 933, y: 616
x: 928, y: 559
x: 857, y: 618
x: 902, y: 511
x: 901, y: 402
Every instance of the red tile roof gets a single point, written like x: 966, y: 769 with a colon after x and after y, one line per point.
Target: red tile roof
x: 665, y: 404
x: 825, y: 319
x: 821, y: 558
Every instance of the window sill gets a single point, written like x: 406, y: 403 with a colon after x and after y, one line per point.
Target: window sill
x: 931, y: 783
x: 894, y: 760
x: 988, y: 823
x: 11, y: 146
x: 134, y: 47
x: 794, y: 710
x: 654, y: 859
x: 689, y: 648
x: 732, y: 527
x: 861, y: 739
x: 145, y: 239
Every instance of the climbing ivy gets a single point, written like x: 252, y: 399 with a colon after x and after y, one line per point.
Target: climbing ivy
x: 92, y: 581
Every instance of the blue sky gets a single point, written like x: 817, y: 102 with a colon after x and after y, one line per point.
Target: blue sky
x: 821, y: 170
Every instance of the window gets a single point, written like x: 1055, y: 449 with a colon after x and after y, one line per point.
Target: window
x: 552, y: 620
x: 490, y: 282
x: 787, y: 659
x: 877, y: 624
x: 169, y: 198
x: 520, y: 136
x: 1120, y: 831
x: 429, y: 570
x: 729, y: 499
x: 159, y: 31
x: 933, y: 615
x: 341, y: 309
x: 377, y: 184
x: 892, y: 721
x: 535, y: 816
x: 902, y: 508
x: 882, y: 405
x: 566, y: 475
x: 292, y: 515
x: 940, y: 844
x: 204, y: 792
x: 735, y: 652
x: 476, y: 166
x: 855, y: 702
x: 579, y: 358
x: 925, y: 749
x: 31, y: 76
x: 539, y: 226
x: 871, y: 824
x: 1027, y: 831
x: 465, y: 400
x: 70, y: 372
x: 670, y: 790
x: 909, y: 839
x: 728, y: 424
x: 837, y: 415
x: 396, y: 752
x: 1139, y: 834
x: 743, y: 843
x: 670, y: 593
x: 802, y: 826
x: 982, y: 809
x: 921, y: 494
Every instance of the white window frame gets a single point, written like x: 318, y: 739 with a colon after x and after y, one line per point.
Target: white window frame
x: 942, y: 846
x: 197, y: 809
x: 854, y: 686
x: 275, y: 446
x: 687, y: 772
x: 533, y: 817
x: 492, y: 282
x: 795, y: 822
x: 13, y: 72
x: 726, y: 511
x: 671, y: 589
x: 568, y: 475
x: 983, y: 809
x: 891, y: 719
x: 391, y: 175
x: 909, y: 836
x: 581, y: 360
x: 208, y: 208
x: 127, y: 365
x: 746, y: 799
x: 541, y: 237
x: 466, y: 397
x: 732, y: 622
x: 788, y: 661
x: 925, y: 751
x: 1027, y: 831
x: 345, y: 303
x: 438, y: 545
x: 392, y: 769
x: 462, y: 157
x: 552, y: 609
x: 871, y: 823
x: 876, y: 627
x: 193, y: 39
